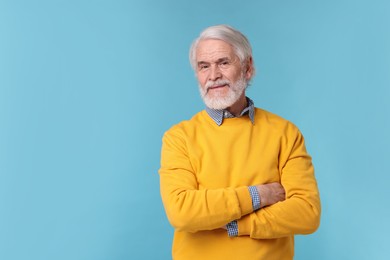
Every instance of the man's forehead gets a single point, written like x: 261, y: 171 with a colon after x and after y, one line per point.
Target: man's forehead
x: 214, y: 50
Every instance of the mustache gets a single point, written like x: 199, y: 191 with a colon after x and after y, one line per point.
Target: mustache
x: 220, y: 82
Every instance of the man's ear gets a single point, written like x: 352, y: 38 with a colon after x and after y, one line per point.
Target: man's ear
x: 249, y: 70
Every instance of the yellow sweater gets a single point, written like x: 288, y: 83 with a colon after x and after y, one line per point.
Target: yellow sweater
x: 204, y: 176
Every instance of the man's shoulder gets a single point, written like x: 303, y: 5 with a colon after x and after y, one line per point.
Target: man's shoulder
x: 262, y: 114
x: 267, y: 118
x: 187, y: 125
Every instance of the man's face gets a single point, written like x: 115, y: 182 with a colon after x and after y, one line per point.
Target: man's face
x: 221, y: 78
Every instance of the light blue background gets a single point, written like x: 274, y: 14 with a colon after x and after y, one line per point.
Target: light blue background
x: 87, y: 89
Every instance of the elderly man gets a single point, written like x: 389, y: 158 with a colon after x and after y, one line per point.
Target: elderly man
x: 236, y: 180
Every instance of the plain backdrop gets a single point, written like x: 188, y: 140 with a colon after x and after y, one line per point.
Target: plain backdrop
x: 87, y: 89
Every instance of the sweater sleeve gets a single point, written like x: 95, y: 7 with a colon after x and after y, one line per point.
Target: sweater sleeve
x: 187, y: 207
x: 300, y: 212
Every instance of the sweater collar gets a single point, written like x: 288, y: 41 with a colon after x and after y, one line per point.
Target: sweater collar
x: 219, y: 114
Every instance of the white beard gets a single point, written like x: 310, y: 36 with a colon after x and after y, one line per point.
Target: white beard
x: 222, y: 102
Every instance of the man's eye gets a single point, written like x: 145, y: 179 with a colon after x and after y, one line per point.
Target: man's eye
x: 224, y: 64
x: 202, y: 67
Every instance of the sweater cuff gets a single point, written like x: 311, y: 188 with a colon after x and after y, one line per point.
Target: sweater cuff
x: 244, y: 226
x: 245, y: 200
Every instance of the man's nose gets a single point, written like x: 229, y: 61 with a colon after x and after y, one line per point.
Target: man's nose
x: 215, y: 73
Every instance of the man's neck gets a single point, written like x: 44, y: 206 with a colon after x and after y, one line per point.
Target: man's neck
x: 237, y: 107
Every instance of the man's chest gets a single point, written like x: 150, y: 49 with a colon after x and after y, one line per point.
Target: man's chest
x: 234, y: 162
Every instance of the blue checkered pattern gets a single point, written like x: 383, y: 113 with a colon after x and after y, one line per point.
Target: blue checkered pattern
x: 255, y: 197
x: 219, y: 115
x: 232, y: 228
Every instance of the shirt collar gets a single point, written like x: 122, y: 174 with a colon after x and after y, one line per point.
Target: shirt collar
x: 219, y: 114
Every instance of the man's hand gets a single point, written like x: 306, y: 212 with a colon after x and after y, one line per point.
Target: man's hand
x: 270, y: 193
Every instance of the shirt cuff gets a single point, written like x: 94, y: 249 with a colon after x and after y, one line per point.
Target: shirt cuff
x: 232, y: 228
x: 255, y: 197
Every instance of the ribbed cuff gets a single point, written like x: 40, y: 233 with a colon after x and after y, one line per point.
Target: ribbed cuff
x: 245, y: 200
x: 244, y: 225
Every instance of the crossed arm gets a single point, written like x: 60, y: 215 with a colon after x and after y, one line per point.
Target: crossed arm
x: 289, y: 207
x: 267, y: 194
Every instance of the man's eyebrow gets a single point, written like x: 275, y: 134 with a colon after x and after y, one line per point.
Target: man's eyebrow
x: 223, y: 59
x: 218, y: 61
x: 203, y: 62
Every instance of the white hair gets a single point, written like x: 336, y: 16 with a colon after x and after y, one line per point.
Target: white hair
x: 236, y: 39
